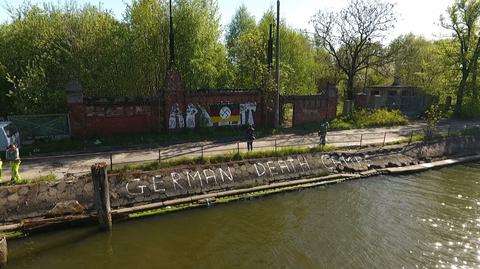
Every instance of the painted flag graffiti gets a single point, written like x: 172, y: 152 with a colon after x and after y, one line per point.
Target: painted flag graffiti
x: 225, y: 114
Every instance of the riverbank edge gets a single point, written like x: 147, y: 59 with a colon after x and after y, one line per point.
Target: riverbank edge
x: 19, y: 230
x: 293, y: 185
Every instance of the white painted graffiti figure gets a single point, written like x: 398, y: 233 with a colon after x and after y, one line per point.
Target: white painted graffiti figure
x: 176, y: 118
x: 191, y: 114
x: 246, y: 111
x: 205, y: 117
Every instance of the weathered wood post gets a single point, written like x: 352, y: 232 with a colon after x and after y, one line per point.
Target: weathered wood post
x: 3, y: 251
x: 111, y: 162
x: 102, y: 195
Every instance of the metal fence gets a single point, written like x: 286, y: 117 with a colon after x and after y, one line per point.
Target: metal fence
x: 51, y: 126
x: 353, y: 141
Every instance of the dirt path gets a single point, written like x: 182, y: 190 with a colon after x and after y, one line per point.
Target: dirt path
x: 81, y: 163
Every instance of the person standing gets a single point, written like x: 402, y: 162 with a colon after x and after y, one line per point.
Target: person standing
x: 13, y: 156
x: 1, y: 167
x: 323, y: 133
x: 250, y: 137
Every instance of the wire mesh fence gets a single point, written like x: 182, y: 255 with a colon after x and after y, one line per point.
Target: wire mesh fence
x: 351, y: 140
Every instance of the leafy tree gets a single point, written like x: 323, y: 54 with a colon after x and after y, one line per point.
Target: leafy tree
x: 242, y: 22
x: 298, y: 64
x: 201, y: 58
x: 250, y: 64
x: 462, y: 19
x: 348, y: 35
x: 424, y: 64
x: 146, y: 45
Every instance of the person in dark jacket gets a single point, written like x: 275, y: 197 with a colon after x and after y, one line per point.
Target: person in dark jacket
x: 322, y: 133
x: 13, y: 156
x: 250, y: 137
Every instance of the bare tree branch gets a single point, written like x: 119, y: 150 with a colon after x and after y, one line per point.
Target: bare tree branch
x: 350, y: 34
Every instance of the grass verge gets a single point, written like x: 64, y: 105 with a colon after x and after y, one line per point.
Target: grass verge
x: 47, y: 179
x: 228, y: 157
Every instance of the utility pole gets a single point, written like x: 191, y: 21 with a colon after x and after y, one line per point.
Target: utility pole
x: 270, y: 50
x: 277, y: 71
x: 172, y: 38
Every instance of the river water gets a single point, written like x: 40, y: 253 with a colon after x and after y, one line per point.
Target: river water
x: 427, y: 220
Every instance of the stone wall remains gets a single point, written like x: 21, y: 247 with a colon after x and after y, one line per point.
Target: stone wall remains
x: 130, y: 189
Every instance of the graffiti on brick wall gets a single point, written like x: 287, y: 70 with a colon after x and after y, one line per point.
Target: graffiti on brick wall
x: 205, y: 119
x: 191, y: 115
x: 176, y: 118
x: 225, y: 114
x: 247, y: 111
x: 214, y: 115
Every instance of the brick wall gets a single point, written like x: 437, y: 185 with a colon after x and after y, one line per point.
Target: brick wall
x: 103, y: 117
x: 313, y: 108
x: 178, y: 109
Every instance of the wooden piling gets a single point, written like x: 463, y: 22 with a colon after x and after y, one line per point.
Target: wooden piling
x: 102, y: 195
x: 3, y: 251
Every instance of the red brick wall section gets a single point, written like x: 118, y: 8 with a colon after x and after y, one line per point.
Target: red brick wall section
x: 361, y: 101
x: 107, y: 120
x: 310, y: 109
x: 77, y: 115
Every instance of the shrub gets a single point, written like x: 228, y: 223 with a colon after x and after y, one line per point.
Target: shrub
x: 365, y: 119
x: 340, y: 124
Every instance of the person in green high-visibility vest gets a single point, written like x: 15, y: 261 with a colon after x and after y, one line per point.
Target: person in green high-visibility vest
x: 1, y: 168
x: 13, y: 156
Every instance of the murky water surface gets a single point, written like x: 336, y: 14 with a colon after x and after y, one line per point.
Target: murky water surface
x: 428, y: 220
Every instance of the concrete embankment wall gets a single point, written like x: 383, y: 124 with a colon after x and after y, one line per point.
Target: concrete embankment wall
x: 75, y: 195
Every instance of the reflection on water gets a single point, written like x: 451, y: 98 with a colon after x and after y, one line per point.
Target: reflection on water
x: 429, y: 220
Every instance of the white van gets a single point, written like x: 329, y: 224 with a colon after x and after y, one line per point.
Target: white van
x: 8, y: 135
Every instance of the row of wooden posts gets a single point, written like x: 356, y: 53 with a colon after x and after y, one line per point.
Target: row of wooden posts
x: 101, y: 200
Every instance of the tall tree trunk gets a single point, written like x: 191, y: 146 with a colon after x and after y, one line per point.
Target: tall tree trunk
x: 350, y: 82
x: 460, y: 93
x: 474, y: 83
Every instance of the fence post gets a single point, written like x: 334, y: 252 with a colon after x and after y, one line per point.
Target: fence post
x: 102, y: 195
x: 238, y: 148
x: 202, y: 152
x: 3, y: 251
x: 275, y: 145
x: 384, y: 138
x: 411, y: 138
x: 159, y: 155
x: 111, y: 162
x: 448, y: 133
x: 361, y: 140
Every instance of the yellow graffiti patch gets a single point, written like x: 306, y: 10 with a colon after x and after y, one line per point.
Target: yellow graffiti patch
x: 221, y: 120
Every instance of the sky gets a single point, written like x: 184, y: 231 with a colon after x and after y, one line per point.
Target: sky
x: 420, y: 17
